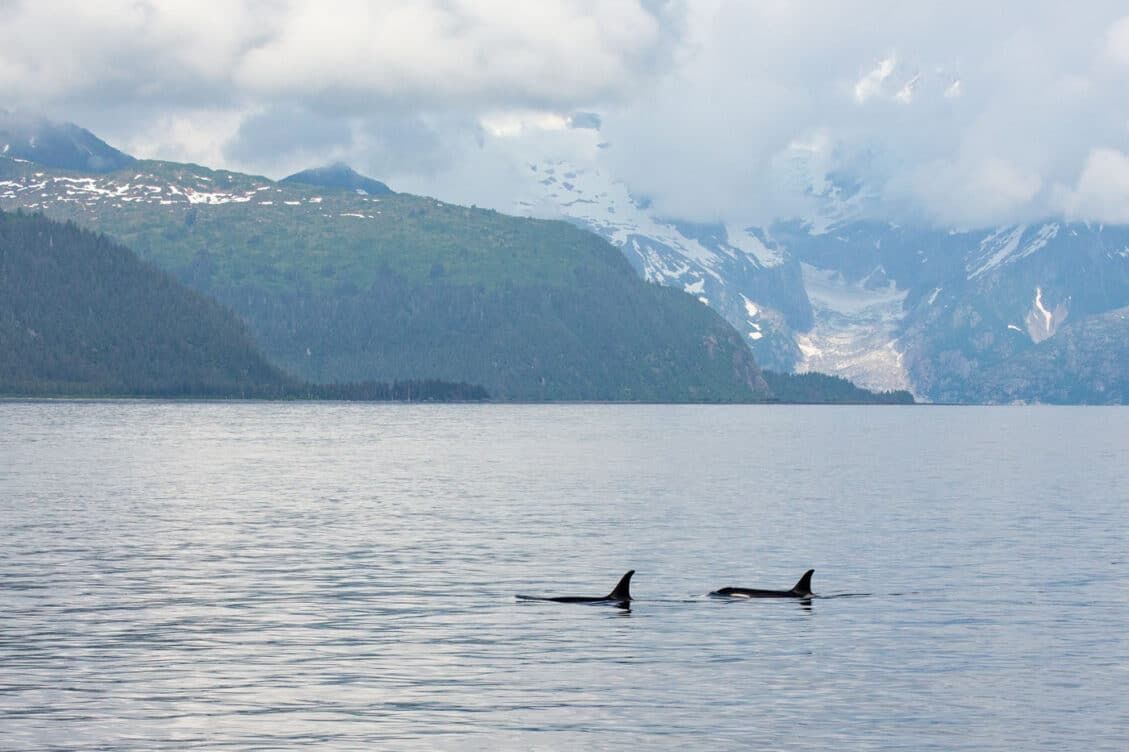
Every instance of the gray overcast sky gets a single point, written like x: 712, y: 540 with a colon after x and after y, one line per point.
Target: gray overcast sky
x: 956, y: 113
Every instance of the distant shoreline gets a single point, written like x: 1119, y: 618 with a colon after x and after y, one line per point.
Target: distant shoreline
x: 8, y: 398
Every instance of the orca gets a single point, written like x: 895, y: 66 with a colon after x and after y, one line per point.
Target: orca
x: 620, y: 595
x: 801, y: 590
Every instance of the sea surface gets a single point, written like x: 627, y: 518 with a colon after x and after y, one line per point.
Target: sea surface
x: 179, y: 576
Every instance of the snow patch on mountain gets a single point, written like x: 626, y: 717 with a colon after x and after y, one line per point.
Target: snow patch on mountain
x: 1042, y: 323
x: 995, y: 249
x: 1044, y: 235
x: 752, y: 312
x: 39, y: 189
x: 588, y: 196
x: 1006, y: 246
x: 748, y: 243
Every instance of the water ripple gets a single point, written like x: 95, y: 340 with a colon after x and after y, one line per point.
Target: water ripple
x: 246, y: 576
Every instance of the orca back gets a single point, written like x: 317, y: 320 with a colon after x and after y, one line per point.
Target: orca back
x: 620, y: 594
x: 802, y: 589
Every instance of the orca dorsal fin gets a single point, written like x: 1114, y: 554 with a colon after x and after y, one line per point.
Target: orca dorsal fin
x: 803, y: 587
x: 622, y: 591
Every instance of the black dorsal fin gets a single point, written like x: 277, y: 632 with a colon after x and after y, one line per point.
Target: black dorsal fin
x: 803, y: 587
x: 622, y: 591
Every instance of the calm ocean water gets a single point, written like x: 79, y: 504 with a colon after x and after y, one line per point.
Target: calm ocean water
x: 265, y: 576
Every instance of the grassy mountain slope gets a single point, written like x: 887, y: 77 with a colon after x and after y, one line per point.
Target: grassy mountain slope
x: 337, y: 286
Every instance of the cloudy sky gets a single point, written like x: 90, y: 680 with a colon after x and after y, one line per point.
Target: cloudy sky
x: 954, y: 113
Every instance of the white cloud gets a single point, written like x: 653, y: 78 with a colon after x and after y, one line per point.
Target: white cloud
x: 1117, y: 41
x: 1102, y: 191
x: 341, y: 54
x: 956, y: 112
x: 871, y: 85
x: 970, y: 192
x: 196, y: 137
x: 511, y: 123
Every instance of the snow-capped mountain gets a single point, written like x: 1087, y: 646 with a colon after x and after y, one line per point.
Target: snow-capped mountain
x: 951, y: 316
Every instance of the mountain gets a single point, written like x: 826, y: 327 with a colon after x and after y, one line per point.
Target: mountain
x: 965, y: 315
x: 1092, y: 353
x: 61, y: 145
x: 79, y: 314
x: 952, y: 316
x: 336, y: 286
x: 339, y: 176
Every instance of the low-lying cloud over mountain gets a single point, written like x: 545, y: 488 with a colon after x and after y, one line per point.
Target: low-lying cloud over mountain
x: 948, y: 113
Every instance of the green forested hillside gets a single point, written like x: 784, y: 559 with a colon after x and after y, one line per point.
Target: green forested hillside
x: 822, y: 389
x: 341, y: 287
x: 82, y: 315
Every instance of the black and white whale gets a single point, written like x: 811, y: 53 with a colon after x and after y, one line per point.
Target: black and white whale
x: 801, y: 590
x: 620, y: 595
